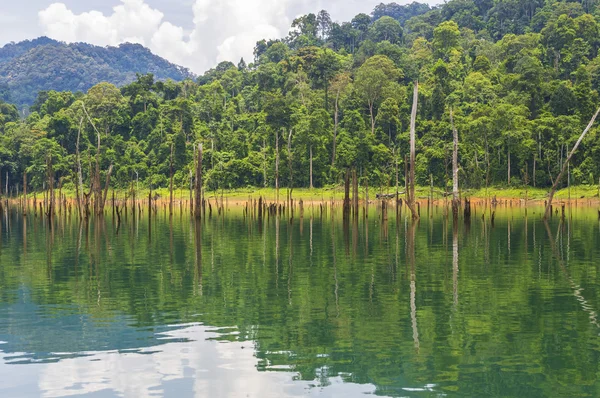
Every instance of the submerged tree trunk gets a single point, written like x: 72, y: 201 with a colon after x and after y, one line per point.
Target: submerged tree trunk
x: 105, y: 195
x: 347, y: 193
x: 411, y: 176
x: 564, y: 166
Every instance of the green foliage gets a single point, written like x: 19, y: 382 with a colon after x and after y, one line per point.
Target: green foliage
x: 520, y: 77
x: 29, y: 67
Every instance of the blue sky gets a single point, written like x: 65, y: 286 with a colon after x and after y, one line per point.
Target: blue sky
x: 193, y: 33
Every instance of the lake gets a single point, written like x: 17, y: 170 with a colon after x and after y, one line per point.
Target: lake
x: 231, y: 306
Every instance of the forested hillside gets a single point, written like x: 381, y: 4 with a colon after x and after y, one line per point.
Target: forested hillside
x: 43, y: 64
x: 521, y: 79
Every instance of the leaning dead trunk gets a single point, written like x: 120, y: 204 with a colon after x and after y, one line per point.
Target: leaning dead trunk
x: 411, y: 176
x: 455, y: 198
x: 564, y: 166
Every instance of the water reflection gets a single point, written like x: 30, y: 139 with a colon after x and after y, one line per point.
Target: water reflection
x: 201, y: 367
x: 368, y: 304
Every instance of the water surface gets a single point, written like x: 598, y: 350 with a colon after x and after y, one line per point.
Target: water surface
x: 313, y: 306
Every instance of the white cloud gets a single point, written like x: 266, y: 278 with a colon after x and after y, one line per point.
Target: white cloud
x: 222, y: 29
x: 133, y: 21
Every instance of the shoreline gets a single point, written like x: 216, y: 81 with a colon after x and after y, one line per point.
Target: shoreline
x: 332, y: 194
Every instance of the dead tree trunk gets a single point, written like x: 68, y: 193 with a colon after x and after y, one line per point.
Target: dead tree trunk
x: 105, y: 194
x: 336, y: 117
x: 277, y: 166
x: 290, y: 160
x: 171, y: 183
x: 25, y: 193
x: 355, y: 192
x: 411, y: 176
x: 50, y: 211
x: 198, y: 198
x: 347, y: 193
x: 97, y: 187
x: 508, y: 168
x: 311, y: 166
x: 455, y: 198
x: 79, y: 183
x: 564, y: 166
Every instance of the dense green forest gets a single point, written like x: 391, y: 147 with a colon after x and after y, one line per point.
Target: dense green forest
x: 43, y: 64
x: 520, y: 78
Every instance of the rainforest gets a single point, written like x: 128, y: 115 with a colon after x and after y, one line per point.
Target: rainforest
x: 518, y: 80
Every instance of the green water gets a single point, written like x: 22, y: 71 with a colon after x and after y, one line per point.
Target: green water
x: 311, y: 307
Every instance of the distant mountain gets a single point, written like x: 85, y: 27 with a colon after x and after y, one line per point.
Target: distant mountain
x: 31, y: 66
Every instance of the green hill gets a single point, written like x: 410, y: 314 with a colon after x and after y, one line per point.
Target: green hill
x: 43, y: 64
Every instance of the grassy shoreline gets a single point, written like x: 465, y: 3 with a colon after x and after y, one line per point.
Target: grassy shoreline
x: 336, y: 193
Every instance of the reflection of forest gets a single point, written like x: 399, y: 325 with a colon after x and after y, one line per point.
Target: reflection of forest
x: 478, y: 310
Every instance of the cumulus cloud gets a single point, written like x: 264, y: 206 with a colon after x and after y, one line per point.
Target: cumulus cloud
x: 222, y: 29
x: 132, y: 21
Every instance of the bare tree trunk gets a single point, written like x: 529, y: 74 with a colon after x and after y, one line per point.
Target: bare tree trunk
x: 198, y: 198
x: 171, y: 183
x: 311, y: 167
x: 336, y: 116
x: 264, y: 163
x: 455, y: 198
x: 558, y: 179
x: 355, y: 191
x: 534, y: 164
x: 105, y: 194
x: 411, y: 176
x: 290, y: 166
x: 79, y: 180
x: 508, y: 167
x: 97, y: 187
x: 347, y: 193
x: 371, y: 105
x: 24, y: 193
x: 51, y: 188
x: 277, y: 166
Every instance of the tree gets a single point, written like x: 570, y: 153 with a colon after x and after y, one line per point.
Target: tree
x: 386, y: 29
x: 446, y: 38
x: 339, y: 87
x: 324, y: 24
x: 371, y: 80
